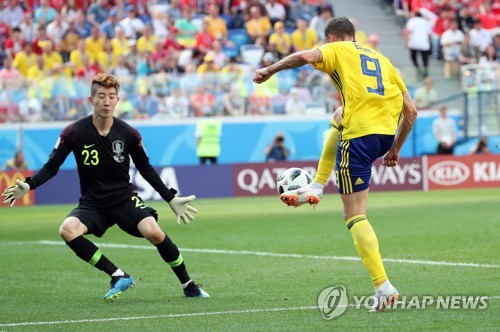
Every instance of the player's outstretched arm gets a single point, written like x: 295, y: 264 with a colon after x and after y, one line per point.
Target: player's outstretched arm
x: 294, y: 60
x: 12, y: 194
x: 405, y: 125
x: 183, y: 211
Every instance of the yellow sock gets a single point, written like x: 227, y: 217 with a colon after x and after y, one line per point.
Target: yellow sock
x: 328, y: 155
x: 366, y: 244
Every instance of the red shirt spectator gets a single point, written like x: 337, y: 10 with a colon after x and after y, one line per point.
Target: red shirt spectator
x: 203, y: 39
x: 443, y: 22
x: 15, y: 43
x: 488, y: 18
x: 171, y: 44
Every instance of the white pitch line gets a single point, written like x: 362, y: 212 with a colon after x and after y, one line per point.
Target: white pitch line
x: 269, y: 254
x: 209, y: 313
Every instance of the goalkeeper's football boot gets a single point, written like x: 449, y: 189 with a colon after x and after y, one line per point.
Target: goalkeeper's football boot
x: 194, y: 290
x: 302, y: 196
x: 386, y: 295
x: 118, y: 286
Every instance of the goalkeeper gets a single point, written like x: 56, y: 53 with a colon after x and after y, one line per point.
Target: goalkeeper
x: 103, y: 147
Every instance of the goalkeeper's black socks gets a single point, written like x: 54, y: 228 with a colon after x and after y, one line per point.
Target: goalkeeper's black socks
x: 170, y: 254
x: 88, y: 251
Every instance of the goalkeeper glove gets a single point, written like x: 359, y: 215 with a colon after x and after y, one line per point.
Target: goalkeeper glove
x: 311, y: 194
x: 182, y: 209
x: 12, y: 194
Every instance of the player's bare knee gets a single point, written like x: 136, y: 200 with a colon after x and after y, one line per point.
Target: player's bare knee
x: 149, y: 228
x: 71, y: 228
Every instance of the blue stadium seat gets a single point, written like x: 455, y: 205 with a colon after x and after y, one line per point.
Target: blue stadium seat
x: 231, y: 52
x: 239, y: 37
x: 229, y: 21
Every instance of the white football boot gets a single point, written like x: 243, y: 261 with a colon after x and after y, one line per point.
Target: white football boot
x: 385, y: 295
x: 311, y: 194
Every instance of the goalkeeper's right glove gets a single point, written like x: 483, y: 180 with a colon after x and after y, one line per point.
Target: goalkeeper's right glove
x: 12, y: 194
x: 311, y: 194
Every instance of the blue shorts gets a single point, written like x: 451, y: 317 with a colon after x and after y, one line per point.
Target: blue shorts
x: 355, y: 158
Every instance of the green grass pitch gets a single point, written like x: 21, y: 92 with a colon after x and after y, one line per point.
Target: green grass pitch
x: 45, y: 287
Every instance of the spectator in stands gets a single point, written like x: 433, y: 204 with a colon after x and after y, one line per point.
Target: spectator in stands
x: 171, y: 45
x: 120, y: 43
x: 445, y: 132
x: 106, y: 59
x: 481, y: 147
x: 14, y: 43
x: 488, y: 18
x: 425, y: 95
x: 216, y: 25
x: 29, y: 29
x: 97, y: 13
x: 276, y: 151
x: 301, y: 9
x: 451, y: 42
x: 247, y: 15
x: 69, y: 40
x: 281, y: 39
x: 70, y: 9
x: 83, y: 27
x: 121, y: 70
x: 294, y: 105
x: 276, y: 11
x: 88, y: 69
x: 16, y: 164
x: 319, y: 21
x: 125, y: 108
x: 177, y: 104
x: 95, y: 43
x: 479, y: 36
x: 233, y: 102
x: 76, y: 56
x: 465, y: 19
x: 133, y: 57
x: 440, y: 26
x: 303, y: 38
x: 417, y: 39
x: 160, y: 25
x: 258, y: 25
x: 174, y: 12
x: 146, y: 42
x: 146, y: 65
x: 208, y: 66
x: 469, y: 54
x: 220, y: 58
x: 147, y: 105
x: 41, y: 37
x: 37, y: 71
x: 232, y: 71
x: 25, y: 59
x: 51, y: 58
x: 259, y: 103
x: 203, y: 102
x: 131, y: 25
x: 57, y: 28
x: 488, y: 58
x: 108, y: 26
x: 204, y: 39
x: 45, y: 13
x: 8, y: 72
x: 186, y: 29
x: 12, y: 14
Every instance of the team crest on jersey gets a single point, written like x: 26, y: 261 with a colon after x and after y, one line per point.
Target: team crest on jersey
x: 118, y: 148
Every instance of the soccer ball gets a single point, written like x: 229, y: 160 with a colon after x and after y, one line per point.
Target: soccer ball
x: 292, y: 179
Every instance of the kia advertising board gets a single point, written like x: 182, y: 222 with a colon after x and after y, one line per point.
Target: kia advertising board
x: 474, y: 171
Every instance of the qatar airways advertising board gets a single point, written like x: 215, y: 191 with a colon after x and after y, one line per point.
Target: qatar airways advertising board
x: 474, y: 171
x: 260, y: 179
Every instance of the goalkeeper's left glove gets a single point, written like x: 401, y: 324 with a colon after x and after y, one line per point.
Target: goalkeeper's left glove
x: 182, y: 209
x: 311, y: 194
x: 12, y: 194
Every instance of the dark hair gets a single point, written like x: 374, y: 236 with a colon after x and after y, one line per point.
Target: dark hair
x: 103, y: 80
x: 340, y: 27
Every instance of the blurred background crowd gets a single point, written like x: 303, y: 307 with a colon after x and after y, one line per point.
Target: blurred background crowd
x: 190, y: 58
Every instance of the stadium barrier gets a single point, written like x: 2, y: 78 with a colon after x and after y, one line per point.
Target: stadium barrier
x: 259, y: 179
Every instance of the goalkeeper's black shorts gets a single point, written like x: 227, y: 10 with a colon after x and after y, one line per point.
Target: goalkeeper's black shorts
x: 126, y: 215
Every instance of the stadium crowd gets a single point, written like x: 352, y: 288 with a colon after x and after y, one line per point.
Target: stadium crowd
x: 188, y: 58
x: 175, y: 59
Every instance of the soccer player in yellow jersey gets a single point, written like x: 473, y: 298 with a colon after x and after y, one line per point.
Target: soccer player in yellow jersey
x: 376, y: 116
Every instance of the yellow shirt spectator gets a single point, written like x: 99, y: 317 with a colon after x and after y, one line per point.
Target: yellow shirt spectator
x: 258, y: 27
x: 283, y: 42
x: 23, y: 61
x: 94, y: 46
x: 35, y: 73
x: 304, y: 40
x: 120, y: 46
x: 216, y: 27
x: 50, y: 60
x: 76, y: 57
x: 148, y: 45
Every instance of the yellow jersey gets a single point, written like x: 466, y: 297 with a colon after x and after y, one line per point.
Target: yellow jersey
x: 370, y: 88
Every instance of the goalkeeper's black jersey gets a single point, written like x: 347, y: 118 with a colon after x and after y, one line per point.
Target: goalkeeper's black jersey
x: 103, y: 162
